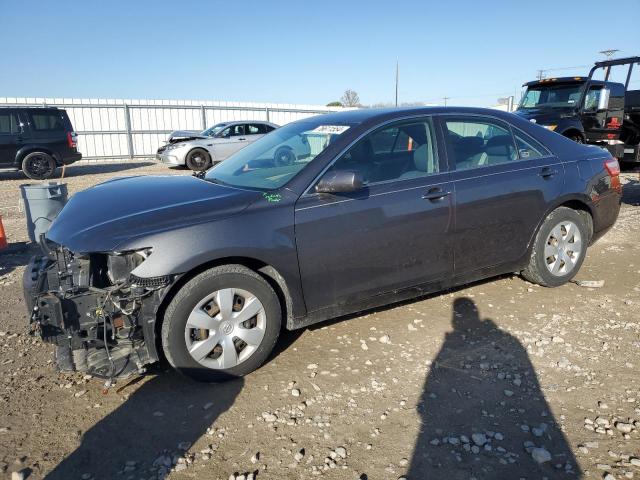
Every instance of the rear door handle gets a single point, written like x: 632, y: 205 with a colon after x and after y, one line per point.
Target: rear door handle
x: 547, y: 172
x: 241, y: 139
x: 435, y: 194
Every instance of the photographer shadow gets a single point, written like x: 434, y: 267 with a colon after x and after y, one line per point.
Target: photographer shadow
x: 483, y: 414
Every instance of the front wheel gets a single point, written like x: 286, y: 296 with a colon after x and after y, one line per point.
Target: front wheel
x: 222, y: 324
x: 198, y: 160
x: 39, y: 166
x: 559, y: 248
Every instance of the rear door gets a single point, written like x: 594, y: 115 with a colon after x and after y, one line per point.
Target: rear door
x: 392, y: 234
x: 10, y: 137
x: 254, y: 131
x: 504, y: 181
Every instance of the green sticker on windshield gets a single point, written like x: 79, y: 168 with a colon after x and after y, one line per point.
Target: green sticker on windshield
x: 272, y: 197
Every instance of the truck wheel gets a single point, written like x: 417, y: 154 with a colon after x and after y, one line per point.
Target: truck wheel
x: 558, y: 249
x: 198, y: 160
x: 222, y: 324
x: 38, y: 166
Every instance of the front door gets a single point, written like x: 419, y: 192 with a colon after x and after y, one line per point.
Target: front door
x: 231, y: 140
x: 392, y: 234
x: 10, y: 137
x: 504, y: 181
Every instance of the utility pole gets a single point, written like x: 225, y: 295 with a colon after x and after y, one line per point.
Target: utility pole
x: 540, y: 74
x: 445, y: 100
x: 396, y: 82
x: 609, y: 53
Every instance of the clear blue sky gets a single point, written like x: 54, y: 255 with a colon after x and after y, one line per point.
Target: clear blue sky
x: 300, y: 51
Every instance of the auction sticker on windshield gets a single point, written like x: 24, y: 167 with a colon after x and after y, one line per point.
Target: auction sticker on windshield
x: 332, y: 129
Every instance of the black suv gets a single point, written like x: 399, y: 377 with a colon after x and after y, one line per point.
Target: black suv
x: 36, y: 140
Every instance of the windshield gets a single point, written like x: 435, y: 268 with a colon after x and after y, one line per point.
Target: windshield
x: 552, y: 96
x: 211, y: 132
x: 276, y: 158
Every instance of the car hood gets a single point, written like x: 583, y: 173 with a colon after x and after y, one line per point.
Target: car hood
x: 184, y: 134
x: 545, y: 116
x: 104, y: 217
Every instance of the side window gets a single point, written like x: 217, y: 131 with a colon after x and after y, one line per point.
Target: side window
x: 479, y: 143
x: 5, y: 123
x: 269, y: 128
x: 237, y: 130
x: 592, y: 98
x: 400, y: 151
x: 255, y: 129
x: 47, y: 121
x: 529, y: 149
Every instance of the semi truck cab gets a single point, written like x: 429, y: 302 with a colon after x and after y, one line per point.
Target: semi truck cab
x: 598, y: 112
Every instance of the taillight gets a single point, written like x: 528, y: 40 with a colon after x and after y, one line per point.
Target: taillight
x: 72, y: 139
x: 613, y: 169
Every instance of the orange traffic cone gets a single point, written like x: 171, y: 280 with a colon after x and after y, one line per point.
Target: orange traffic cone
x: 3, y: 237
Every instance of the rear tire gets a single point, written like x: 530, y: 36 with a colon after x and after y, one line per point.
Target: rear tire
x: 198, y: 160
x: 576, y: 137
x: 223, y: 329
x: 558, y: 249
x: 39, y: 166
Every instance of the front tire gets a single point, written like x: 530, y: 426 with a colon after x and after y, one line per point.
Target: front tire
x: 198, y: 160
x: 39, y: 166
x: 559, y: 248
x: 222, y: 324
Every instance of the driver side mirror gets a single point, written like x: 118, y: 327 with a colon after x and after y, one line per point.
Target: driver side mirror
x: 603, y: 101
x: 340, y: 181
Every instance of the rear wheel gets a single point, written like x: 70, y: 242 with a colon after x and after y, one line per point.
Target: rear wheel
x: 39, y: 166
x: 559, y: 248
x: 221, y: 324
x: 198, y: 160
x: 284, y: 156
x: 576, y: 137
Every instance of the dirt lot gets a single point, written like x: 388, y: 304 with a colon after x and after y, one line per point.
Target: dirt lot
x: 498, y: 380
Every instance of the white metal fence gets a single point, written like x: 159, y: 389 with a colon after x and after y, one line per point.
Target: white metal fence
x: 127, y: 129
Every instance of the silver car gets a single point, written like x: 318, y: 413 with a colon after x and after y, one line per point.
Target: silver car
x: 201, y: 150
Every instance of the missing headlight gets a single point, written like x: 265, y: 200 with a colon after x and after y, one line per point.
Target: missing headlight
x: 120, y: 265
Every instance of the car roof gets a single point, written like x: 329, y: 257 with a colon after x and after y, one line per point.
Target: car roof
x: 373, y: 115
x: 236, y: 122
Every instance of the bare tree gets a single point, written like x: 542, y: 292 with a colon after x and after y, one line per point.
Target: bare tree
x: 350, y: 98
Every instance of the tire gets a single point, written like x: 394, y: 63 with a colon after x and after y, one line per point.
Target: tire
x: 198, y: 160
x: 39, y: 166
x: 193, y: 304
x: 548, y: 254
x: 576, y: 137
x: 284, y: 156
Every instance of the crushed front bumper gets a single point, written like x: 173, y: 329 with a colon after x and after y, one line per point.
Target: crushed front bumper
x: 99, y: 327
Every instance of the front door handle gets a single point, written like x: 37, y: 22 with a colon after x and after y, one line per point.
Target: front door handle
x: 548, y: 172
x: 435, y: 194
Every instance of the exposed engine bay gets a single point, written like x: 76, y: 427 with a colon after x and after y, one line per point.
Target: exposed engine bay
x: 100, y: 316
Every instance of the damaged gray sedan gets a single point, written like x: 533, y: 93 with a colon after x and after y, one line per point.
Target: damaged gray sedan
x: 372, y: 207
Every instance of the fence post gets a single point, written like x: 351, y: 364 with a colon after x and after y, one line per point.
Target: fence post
x: 127, y: 124
x: 266, y: 111
x: 203, y: 117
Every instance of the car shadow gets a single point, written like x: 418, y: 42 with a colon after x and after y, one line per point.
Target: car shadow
x: 16, y: 254
x: 631, y: 193
x: 482, y: 411
x: 77, y: 170
x: 148, y: 434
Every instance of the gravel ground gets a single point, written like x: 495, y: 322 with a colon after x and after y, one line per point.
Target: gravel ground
x: 497, y: 380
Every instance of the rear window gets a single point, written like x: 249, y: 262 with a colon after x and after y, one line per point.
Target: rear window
x: 7, y: 123
x: 47, y: 121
